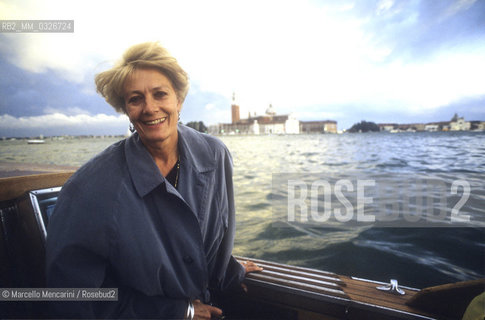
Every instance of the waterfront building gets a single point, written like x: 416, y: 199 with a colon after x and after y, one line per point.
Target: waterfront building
x: 477, y: 125
x: 455, y: 124
x: 234, y: 110
x: 387, y: 126
x: 411, y: 127
x: 431, y: 127
x: 269, y: 123
x: 407, y: 127
x: 459, y: 124
x: 437, y: 126
x: 327, y: 126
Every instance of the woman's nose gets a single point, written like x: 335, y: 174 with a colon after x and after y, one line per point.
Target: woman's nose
x: 150, y: 104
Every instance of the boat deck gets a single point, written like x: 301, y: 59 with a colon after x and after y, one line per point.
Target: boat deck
x: 325, y: 295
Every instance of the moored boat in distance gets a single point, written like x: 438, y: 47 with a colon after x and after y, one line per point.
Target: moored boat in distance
x: 36, y: 141
x: 280, y: 291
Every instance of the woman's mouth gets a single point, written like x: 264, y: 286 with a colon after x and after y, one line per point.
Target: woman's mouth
x: 154, y: 122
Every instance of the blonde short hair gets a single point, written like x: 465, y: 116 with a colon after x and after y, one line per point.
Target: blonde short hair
x: 152, y: 55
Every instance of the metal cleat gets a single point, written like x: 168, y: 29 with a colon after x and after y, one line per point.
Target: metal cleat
x: 393, y: 287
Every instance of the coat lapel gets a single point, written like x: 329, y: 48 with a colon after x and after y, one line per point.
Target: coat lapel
x: 197, y: 168
x: 143, y: 171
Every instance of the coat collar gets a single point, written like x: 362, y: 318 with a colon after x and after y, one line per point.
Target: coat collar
x: 195, y: 150
x: 195, y: 155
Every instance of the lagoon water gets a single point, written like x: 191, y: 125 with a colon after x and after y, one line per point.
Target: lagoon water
x: 418, y: 253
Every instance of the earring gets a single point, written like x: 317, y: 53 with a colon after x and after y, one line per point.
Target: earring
x: 132, y: 128
x: 179, y: 116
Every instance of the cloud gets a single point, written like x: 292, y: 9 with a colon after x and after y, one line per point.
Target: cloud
x: 384, y: 6
x: 456, y: 7
x: 66, y: 111
x: 317, y: 115
x: 28, y: 94
x: 407, y: 56
x: 209, y: 106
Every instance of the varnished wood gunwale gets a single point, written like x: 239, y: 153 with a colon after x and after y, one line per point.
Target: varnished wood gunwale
x: 15, y: 187
x: 366, y: 293
x: 298, y: 271
x: 351, y: 298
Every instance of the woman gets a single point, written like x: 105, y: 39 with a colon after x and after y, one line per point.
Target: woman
x: 152, y: 215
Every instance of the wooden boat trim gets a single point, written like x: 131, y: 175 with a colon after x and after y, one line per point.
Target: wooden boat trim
x: 309, y: 281
x: 319, y: 302
x: 391, y: 311
x: 306, y: 274
x: 297, y: 284
x: 293, y: 298
x: 276, y: 265
x: 347, y: 292
x: 366, y: 294
x: 14, y: 187
x: 383, y: 283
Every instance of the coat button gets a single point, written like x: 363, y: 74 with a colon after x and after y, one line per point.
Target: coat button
x: 188, y: 259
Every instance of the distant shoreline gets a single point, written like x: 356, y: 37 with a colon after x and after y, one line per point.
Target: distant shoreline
x: 15, y: 169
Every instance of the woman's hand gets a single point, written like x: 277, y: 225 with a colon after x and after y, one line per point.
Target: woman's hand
x: 250, y: 266
x: 204, y: 311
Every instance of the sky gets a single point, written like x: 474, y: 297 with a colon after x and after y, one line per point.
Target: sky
x: 385, y: 61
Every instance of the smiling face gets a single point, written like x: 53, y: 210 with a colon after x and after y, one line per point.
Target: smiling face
x: 152, y: 105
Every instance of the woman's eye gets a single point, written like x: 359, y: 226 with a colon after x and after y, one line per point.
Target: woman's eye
x: 160, y: 94
x: 134, y: 100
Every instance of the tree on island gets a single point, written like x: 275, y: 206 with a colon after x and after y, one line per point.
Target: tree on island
x: 364, y: 126
x: 197, y: 125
